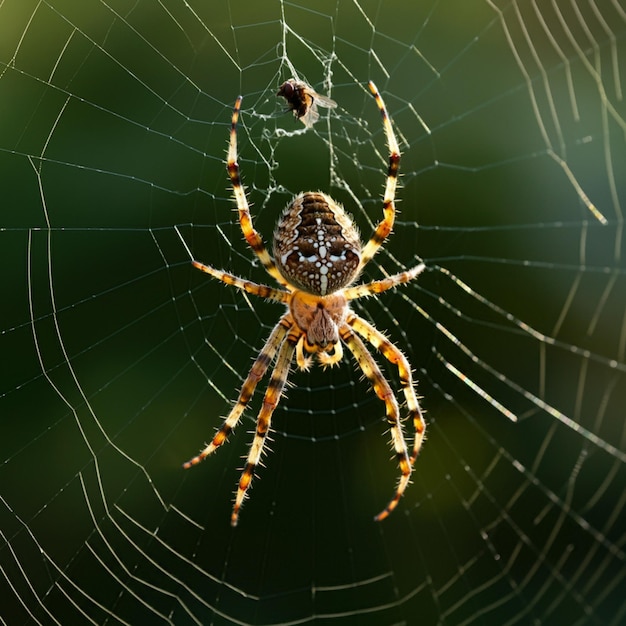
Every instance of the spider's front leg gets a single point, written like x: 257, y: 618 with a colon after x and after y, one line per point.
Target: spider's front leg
x: 395, y: 356
x: 270, y: 402
x: 256, y: 373
x: 384, y: 392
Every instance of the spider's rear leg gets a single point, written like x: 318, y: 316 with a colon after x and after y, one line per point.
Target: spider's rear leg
x: 384, y: 392
x: 262, y: 291
x: 252, y: 237
x: 385, y: 225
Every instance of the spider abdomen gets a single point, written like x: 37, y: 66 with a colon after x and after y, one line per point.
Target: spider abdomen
x: 316, y: 244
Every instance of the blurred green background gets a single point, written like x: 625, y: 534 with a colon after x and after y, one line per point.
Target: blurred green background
x: 120, y: 359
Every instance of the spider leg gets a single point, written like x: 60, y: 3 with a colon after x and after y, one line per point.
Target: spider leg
x: 270, y: 402
x: 256, y: 373
x: 245, y: 219
x: 395, y: 356
x: 263, y: 291
x: 378, y: 286
x: 389, y: 211
x: 383, y: 391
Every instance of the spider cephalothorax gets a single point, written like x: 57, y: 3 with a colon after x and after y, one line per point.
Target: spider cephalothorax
x: 318, y: 256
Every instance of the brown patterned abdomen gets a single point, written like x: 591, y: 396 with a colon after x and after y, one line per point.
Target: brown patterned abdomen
x: 316, y: 244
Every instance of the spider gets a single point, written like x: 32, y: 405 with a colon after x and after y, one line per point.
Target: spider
x: 317, y: 258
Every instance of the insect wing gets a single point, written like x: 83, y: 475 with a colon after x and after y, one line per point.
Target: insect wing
x: 313, y: 99
x: 322, y: 101
x: 303, y: 101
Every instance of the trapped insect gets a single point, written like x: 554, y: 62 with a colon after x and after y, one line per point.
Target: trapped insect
x: 303, y: 101
x: 317, y: 257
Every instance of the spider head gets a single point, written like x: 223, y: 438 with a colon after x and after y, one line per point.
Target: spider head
x: 316, y: 244
x: 319, y: 317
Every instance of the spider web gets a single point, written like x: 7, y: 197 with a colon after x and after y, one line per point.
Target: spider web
x: 121, y: 359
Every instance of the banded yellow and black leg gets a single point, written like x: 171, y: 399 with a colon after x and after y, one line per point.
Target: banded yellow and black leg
x: 256, y: 373
x: 378, y: 286
x: 384, y: 227
x: 270, y: 402
x: 263, y: 291
x: 252, y: 237
x: 382, y: 389
x: 395, y: 356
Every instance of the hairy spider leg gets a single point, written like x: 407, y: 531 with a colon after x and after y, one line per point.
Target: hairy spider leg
x: 245, y: 219
x: 256, y: 373
x: 371, y: 370
x: 378, y: 286
x: 389, y: 210
x: 270, y: 402
x: 255, y: 289
x: 395, y: 356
